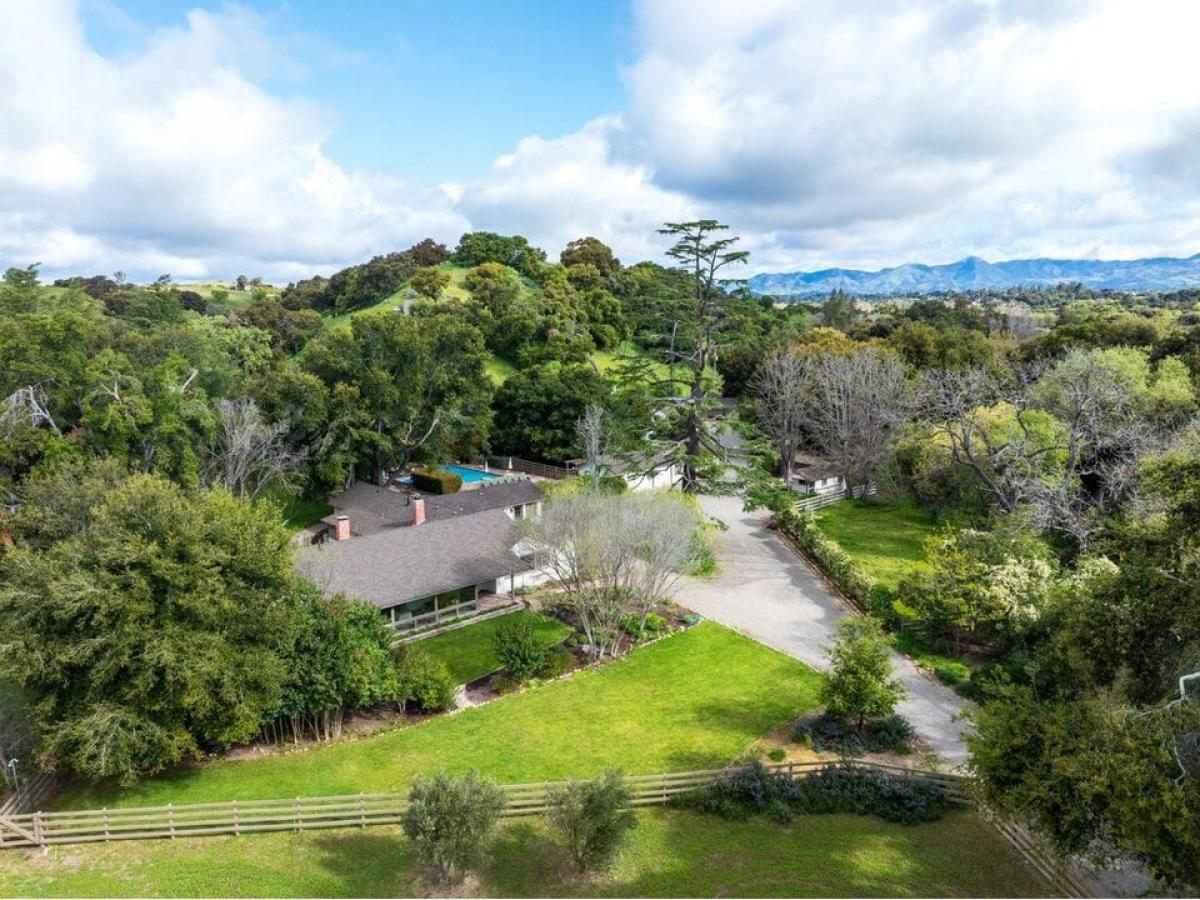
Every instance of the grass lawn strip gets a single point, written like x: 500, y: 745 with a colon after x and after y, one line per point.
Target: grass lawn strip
x: 886, y: 538
x: 670, y: 854
x: 470, y: 652
x: 690, y: 701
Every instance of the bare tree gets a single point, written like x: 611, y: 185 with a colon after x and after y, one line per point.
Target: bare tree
x: 612, y: 555
x: 853, y: 406
x: 1062, y: 443
x: 593, y: 436
x: 249, y: 453
x: 780, y: 405
x: 28, y: 407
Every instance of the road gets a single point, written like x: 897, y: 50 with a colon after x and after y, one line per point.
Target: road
x: 765, y: 590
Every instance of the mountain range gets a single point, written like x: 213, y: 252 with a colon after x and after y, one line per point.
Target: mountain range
x: 1156, y: 274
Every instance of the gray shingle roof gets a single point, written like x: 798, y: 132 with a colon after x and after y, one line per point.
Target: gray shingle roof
x: 374, y: 509
x: 394, y: 564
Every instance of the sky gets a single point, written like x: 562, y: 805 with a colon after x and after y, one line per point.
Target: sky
x: 285, y: 138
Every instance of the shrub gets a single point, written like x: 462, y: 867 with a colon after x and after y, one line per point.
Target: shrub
x: 838, y: 789
x: 654, y: 626
x: 777, y: 755
x: 518, y: 647
x: 436, y: 481
x: 423, y: 681
x: 801, y: 526
x: 952, y: 672
x: 559, y: 661
x: 591, y: 818
x: 450, y: 820
x: 830, y: 734
x: 983, y: 681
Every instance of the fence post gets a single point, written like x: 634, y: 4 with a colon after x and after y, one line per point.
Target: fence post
x: 104, y: 815
x: 39, y: 836
x: 237, y: 825
x: 362, y: 812
x: 171, y: 818
x: 296, y: 813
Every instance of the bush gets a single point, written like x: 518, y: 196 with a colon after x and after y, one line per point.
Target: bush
x: 436, y: 481
x: 801, y: 526
x: 830, y: 734
x: 591, y: 818
x: 450, y: 820
x: 838, y: 789
x: 654, y: 626
x: 559, y: 661
x: 423, y: 681
x: 518, y: 647
x: 777, y: 755
x: 983, y: 681
x: 952, y: 672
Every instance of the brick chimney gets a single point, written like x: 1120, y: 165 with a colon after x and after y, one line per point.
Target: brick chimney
x: 418, y: 503
x: 341, y: 528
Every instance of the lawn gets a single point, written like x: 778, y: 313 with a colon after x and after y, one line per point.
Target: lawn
x: 886, y: 537
x: 693, y: 700
x: 470, y: 652
x: 299, y: 513
x: 670, y: 854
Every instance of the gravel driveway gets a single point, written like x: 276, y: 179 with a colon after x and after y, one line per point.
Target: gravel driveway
x: 765, y: 590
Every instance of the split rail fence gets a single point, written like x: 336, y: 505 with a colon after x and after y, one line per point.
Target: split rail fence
x: 355, y: 810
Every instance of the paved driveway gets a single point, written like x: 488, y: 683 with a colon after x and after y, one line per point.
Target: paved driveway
x: 762, y: 588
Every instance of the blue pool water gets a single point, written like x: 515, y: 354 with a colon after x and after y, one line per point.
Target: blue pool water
x: 469, y: 475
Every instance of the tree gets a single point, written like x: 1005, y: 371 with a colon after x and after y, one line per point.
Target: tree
x: 477, y: 247
x: 684, y: 404
x: 859, y: 684
x: 854, y: 405
x: 781, y: 404
x: 249, y: 454
x: 591, y: 818
x: 450, y: 820
x: 430, y: 282
x: 536, y: 411
x: 155, y: 632
x: 519, y: 648
x: 590, y: 251
x: 614, y: 555
x: 398, y: 386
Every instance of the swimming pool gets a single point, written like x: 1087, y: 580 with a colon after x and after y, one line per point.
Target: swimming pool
x: 469, y: 475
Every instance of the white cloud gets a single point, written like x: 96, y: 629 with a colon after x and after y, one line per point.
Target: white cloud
x: 825, y: 132
x: 173, y: 160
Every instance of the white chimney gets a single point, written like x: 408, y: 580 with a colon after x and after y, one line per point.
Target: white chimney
x: 418, y: 509
x: 341, y: 528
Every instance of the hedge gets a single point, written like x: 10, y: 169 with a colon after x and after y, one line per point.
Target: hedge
x: 801, y: 526
x: 436, y: 481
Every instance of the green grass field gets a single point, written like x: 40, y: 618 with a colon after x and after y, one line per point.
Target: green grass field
x: 669, y: 854
x: 470, y: 652
x: 886, y: 538
x: 693, y: 700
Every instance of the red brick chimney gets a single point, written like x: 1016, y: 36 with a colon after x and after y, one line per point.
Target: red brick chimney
x: 418, y: 509
x: 341, y: 528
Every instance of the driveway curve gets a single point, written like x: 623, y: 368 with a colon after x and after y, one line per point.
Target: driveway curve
x: 763, y: 589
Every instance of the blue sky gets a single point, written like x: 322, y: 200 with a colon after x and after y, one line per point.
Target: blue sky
x: 294, y: 137
x: 435, y: 90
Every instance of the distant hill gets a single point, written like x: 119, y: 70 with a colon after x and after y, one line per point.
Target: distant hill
x: 973, y: 273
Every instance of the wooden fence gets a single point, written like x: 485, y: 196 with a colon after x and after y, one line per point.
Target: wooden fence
x: 356, y: 810
x: 812, y: 502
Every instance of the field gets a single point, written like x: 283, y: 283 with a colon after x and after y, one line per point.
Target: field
x: 469, y: 652
x: 886, y: 538
x: 670, y: 854
x: 690, y: 701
